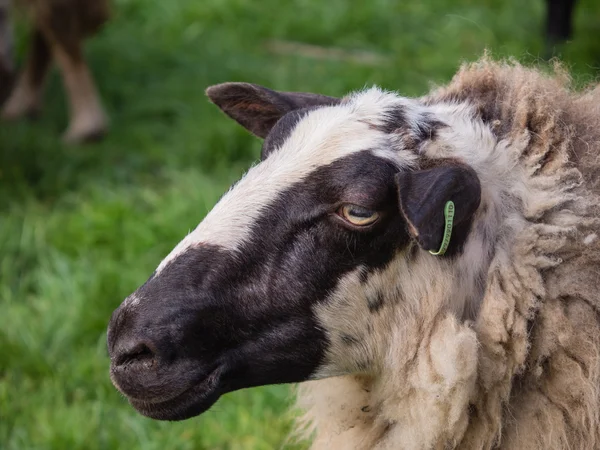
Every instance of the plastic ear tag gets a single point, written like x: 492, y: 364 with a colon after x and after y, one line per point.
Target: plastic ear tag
x: 449, y: 216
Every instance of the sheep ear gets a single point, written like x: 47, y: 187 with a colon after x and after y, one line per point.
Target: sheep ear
x: 257, y: 108
x: 423, y: 196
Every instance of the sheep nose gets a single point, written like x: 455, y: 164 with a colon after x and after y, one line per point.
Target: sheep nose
x: 135, y: 354
x: 135, y: 346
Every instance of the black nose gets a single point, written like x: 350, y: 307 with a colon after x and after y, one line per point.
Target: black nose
x: 142, y: 355
x: 135, y: 345
x: 135, y: 354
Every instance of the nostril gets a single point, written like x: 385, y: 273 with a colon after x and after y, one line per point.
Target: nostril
x: 140, y: 353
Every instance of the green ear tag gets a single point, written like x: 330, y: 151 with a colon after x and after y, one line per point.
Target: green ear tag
x: 449, y: 215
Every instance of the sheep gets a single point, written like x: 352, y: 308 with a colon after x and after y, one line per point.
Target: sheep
x: 6, y: 62
x: 329, y: 264
x: 559, y: 21
x: 59, y: 28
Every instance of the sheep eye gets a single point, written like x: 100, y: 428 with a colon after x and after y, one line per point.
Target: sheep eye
x: 357, y: 215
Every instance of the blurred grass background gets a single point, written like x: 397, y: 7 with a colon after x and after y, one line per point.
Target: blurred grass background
x: 82, y: 227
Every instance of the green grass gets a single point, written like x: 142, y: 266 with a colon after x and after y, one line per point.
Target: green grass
x: 82, y: 227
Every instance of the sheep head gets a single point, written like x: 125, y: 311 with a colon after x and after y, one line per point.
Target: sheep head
x: 332, y: 228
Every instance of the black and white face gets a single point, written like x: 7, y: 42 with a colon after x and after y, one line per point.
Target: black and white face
x: 244, y: 300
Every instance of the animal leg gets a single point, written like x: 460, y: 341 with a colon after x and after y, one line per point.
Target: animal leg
x: 6, y: 44
x: 26, y: 96
x: 87, y: 118
x: 559, y: 23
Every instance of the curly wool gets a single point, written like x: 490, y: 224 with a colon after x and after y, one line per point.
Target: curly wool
x: 525, y: 374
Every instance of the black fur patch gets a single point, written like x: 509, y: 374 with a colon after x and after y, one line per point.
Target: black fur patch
x: 427, y: 128
x: 375, y: 302
x: 250, y: 312
x: 395, y: 119
x: 396, y: 122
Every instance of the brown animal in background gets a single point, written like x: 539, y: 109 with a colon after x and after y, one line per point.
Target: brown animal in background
x: 59, y: 29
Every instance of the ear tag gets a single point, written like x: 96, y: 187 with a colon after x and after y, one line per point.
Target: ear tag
x: 449, y: 216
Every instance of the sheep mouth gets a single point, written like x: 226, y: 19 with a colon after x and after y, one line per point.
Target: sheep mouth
x: 189, y: 403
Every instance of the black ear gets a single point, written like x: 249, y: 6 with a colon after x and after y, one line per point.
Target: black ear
x: 257, y: 108
x: 423, y: 196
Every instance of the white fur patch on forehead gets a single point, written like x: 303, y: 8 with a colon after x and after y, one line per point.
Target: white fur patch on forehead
x: 319, y: 138
x: 131, y: 301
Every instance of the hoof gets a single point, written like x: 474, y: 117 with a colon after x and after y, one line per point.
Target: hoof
x: 86, y: 130
x: 15, y: 109
x: 22, y: 102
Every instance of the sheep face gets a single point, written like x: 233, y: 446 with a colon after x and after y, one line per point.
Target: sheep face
x: 248, y: 297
